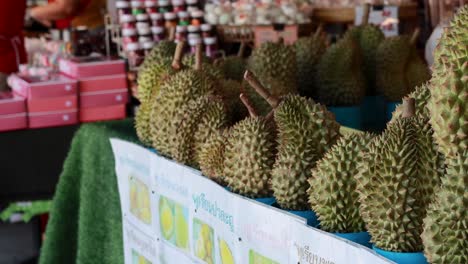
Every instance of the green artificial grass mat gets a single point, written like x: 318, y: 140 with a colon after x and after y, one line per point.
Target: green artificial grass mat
x: 85, y: 224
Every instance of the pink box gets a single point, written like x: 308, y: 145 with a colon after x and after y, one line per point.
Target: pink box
x: 11, y: 104
x: 91, y: 67
x: 50, y: 119
x: 102, y: 113
x: 53, y: 104
x: 55, y: 85
x: 103, y: 98
x: 13, y: 122
x: 101, y: 83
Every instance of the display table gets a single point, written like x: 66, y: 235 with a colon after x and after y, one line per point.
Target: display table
x: 85, y: 223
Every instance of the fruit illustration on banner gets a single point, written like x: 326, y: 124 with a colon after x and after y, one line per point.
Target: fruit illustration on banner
x: 166, y: 218
x: 139, y: 259
x: 255, y: 258
x: 140, y: 205
x: 203, y: 239
x: 225, y: 253
x: 182, y: 229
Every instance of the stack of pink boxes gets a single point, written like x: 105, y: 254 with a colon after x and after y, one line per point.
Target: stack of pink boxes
x: 103, y: 91
x: 51, y: 100
x: 12, y: 112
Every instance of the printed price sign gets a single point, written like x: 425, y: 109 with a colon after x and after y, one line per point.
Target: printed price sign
x: 386, y: 18
x: 139, y: 248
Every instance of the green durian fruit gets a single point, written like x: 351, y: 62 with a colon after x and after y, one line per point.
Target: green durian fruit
x: 421, y: 95
x: 396, y: 182
x: 306, y: 130
x: 445, y: 234
x: 157, y: 69
x: 332, y: 192
x: 399, y: 68
x: 275, y: 66
x: 192, y: 125
x: 150, y: 80
x: 233, y: 67
x: 161, y: 51
x: 142, y: 123
x: 229, y: 90
x: 309, y: 50
x: 207, y: 66
x: 211, y: 157
x: 182, y: 88
x: 368, y: 37
x: 249, y: 156
x: 340, y: 79
x: 449, y: 92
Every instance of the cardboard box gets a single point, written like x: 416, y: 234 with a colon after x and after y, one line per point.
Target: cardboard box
x: 103, y: 83
x: 55, y: 85
x: 102, y: 113
x: 50, y: 119
x: 91, y: 67
x: 11, y: 104
x: 13, y: 121
x: 53, y: 104
x: 103, y: 98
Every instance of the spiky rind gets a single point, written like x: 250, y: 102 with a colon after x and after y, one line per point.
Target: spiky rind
x: 445, y: 235
x: 306, y: 130
x: 396, y: 182
x: 449, y: 93
x: 250, y: 154
x: 211, y: 157
x: 421, y: 95
x: 142, y: 123
x: 340, y: 79
x: 332, y: 192
x: 233, y: 67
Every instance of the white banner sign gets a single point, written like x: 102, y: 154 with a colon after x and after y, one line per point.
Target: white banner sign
x: 172, y: 214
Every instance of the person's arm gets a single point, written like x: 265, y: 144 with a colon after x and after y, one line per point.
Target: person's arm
x: 57, y: 10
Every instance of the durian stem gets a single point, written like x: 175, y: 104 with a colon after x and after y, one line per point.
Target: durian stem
x: 365, y: 14
x: 172, y: 31
x: 415, y: 35
x: 245, y: 100
x: 319, y: 30
x: 409, y: 107
x: 177, y: 61
x: 253, y: 81
x: 242, y: 47
x: 198, y: 57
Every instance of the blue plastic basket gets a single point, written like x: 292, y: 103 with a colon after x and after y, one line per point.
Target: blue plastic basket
x: 373, y: 113
x: 402, y: 257
x: 266, y: 200
x: 309, y: 215
x: 349, y: 116
x: 362, y: 238
x: 390, y: 108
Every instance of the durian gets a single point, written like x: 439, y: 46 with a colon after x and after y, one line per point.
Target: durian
x: 176, y: 94
x: 163, y: 50
x: 421, y: 95
x: 449, y: 92
x: 275, y: 66
x: 340, y: 79
x: 399, y: 67
x: 445, y: 233
x: 306, y: 130
x: 229, y: 91
x: 150, y: 79
x: 249, y: 155
x: 211, y: 157
x: 233, y: 67
x: 309, y: 50
x: 332, y: 192
x: 396, y: 182
x: 368, y: 37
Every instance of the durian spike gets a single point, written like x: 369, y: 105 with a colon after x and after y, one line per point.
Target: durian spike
x: 177, y: 61
x: 409, y: 107
x: 242, y: 47
x: 198, y: 56
x: 318, y: 31
x: 172, y: 31
x: 253, y: 81
x: 245, y: 100
x: 415, y: 35
x: 365, y: 14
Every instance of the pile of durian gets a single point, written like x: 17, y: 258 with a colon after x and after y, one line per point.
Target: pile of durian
x: 253, y: 125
